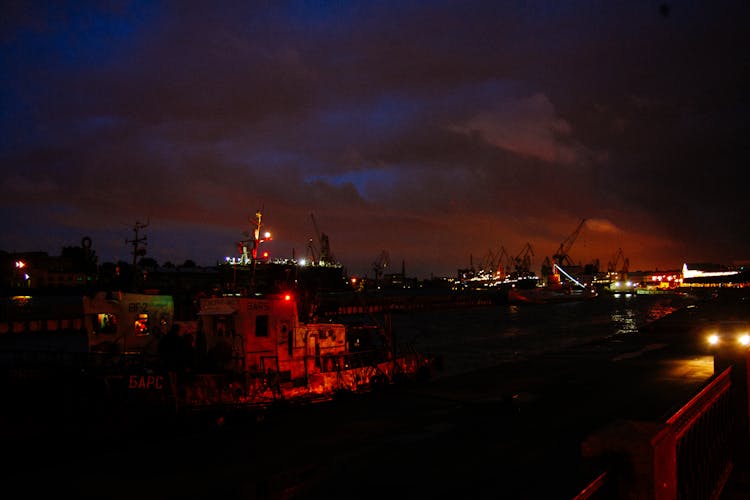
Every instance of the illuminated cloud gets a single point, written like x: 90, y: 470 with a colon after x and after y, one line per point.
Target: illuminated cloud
x: 528, y: 127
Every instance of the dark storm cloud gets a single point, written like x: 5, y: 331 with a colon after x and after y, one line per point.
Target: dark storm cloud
x: 432, y: 130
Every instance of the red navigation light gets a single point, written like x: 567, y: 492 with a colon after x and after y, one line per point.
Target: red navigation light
x: 288, y: 297
x: 265, y: 255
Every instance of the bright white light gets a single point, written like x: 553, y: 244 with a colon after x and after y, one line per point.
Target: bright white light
x: 694, y: 273
x: 744, y: 339
x: 713, y: 339
x: 302, y: 262
x: 267, y: 235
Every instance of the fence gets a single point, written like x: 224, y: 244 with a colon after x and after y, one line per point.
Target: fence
x: 690, y: 455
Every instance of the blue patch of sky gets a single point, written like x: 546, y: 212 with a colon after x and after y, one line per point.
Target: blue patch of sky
x: 49, y: 238
x: 95, y: 124
x: 330, y: 14
x: 273, y: 160
x: 367, y: 182
x: 346, y: 13
x: 62, y: 36
x: 78, y: 34
x: 484, y: 94
x: 321, y: 14
x: 386, y: 115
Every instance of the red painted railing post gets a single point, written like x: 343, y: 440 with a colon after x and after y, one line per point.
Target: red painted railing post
x: 665, y: 464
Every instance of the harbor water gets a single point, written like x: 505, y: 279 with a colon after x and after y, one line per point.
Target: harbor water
x: 470, y: 339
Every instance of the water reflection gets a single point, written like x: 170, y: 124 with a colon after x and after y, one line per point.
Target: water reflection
x: 626, y: 321
x: 468, y: 339
x: 624, y: 318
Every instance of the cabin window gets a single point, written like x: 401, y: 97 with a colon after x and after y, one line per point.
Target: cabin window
x: 141, y: 325
x: 105, y: 323
x: 261, y: 326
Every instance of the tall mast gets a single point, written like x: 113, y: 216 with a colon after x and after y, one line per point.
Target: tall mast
x: 256, y: 240
x: 136, y: 242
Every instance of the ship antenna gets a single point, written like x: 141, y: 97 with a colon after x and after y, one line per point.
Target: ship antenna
x: 136, y: 241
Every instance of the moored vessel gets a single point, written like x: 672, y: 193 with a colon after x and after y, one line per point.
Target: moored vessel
x: 555, y: 290
x: 255, y: 338
x: 265, y: 344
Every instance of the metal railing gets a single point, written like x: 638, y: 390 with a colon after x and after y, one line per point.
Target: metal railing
x: 691, y: 454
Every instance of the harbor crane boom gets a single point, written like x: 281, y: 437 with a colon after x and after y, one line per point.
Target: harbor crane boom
x: 381, y: 263
x: 612, y: 266
x: 501, y: 267
x: 522, y: 261
x: 562, y: 256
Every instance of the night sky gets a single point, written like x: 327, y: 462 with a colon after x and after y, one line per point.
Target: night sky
x: 437, y: 131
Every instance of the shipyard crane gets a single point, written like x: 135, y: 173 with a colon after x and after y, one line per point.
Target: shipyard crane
x: 324, y: 256
x: 613, y: 264
x: 493, y: 263
x: 312, y: 253
x: 562, y: 255
x: 522, y: 261
x: 487, y: 265
x: 503, y: 262
x: 380, y: 264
